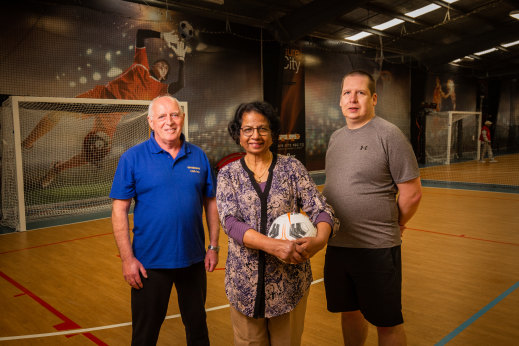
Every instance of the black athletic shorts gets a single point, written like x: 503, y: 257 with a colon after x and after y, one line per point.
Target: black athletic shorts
x: 369, y: 280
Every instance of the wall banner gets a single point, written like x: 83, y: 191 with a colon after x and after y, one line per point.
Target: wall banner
x: 292, y: 110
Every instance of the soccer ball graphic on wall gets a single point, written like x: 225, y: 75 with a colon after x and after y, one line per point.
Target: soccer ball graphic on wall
x: 185, y: 30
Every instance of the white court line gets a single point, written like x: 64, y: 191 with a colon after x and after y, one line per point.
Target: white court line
x: 86, y: 330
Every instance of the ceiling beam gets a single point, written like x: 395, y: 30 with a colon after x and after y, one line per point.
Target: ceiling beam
x: 306, y: 19
x: 391, y: 13
x: 443, y: 54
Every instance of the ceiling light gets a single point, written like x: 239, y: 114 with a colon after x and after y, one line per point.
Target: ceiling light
x: 449, y: 1
x: 389, y: 24
x: 514, y: 14
x: 423, y: 10
x: 358, y: 36
x: 486, y: 51
x: 510, y: 44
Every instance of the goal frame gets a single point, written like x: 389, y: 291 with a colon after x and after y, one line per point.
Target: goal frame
x: 16, y: 100
x: 453, y: 117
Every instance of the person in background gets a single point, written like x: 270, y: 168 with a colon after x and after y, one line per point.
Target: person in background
x: 171, y: 182
x: 485, y: 139
x: 267, y: 280
x: 369, y: 162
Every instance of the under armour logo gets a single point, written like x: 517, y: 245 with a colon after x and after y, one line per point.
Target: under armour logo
x: 363, y: 147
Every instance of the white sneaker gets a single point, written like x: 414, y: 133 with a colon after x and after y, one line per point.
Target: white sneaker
x: 493, y: 160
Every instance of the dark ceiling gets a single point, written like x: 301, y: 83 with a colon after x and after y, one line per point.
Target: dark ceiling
x: 434, y: 40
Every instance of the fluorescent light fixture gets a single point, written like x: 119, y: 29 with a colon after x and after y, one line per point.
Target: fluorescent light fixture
x: 358, y: 36
x: 422, y: 11
x: 389, y: 24
x: 486, y: 51
x: 510, y: 44
x: 514, y: 14
x: 467, y: 57
x: 394, y: 22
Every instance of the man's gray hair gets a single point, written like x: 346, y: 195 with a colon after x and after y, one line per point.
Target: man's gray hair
x: 150, y: 107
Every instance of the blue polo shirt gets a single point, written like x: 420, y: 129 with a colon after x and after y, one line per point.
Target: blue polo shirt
x: 168, y: 229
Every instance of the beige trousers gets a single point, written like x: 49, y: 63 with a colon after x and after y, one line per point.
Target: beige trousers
x: 286, y: 329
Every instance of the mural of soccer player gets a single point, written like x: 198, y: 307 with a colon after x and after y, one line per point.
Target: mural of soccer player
x: 438, y: 94
x: 139, y: 82
x: 450, y: 97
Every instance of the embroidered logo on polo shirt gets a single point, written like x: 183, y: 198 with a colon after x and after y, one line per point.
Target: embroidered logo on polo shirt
x: 363, y: 147
x: 194, y: 169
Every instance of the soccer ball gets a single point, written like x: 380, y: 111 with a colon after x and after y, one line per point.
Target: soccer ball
x: 292, y: 226
x: 96, y: 145
x: 185, y: 30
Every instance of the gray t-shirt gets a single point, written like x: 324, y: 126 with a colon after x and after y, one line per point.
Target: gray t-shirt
x: 363, y: 167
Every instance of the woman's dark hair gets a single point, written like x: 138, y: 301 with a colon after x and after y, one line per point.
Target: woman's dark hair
x: 262, y: 108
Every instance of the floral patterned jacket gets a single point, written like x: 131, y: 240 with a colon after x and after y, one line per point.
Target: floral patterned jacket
x: 256, y: 283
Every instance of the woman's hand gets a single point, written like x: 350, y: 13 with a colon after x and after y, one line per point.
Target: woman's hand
x: 307, y: 247
x: 286, y: 250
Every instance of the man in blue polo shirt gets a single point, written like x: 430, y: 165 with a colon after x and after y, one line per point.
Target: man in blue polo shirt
x: 171, y: 182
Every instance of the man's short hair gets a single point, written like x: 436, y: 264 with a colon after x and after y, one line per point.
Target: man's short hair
x: 150, y: 107
x: 372, y: 84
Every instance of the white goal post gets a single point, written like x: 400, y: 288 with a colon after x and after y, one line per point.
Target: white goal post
x: 454, y: 117
x: 69, y: 167
x: 440, y: 138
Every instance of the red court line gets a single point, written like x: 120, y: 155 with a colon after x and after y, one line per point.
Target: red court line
x: 463, y: 236
x: 67, y: 324
x: 59, y: 242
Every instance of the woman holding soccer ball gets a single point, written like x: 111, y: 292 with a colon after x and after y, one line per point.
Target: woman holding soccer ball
x: 267, y: 280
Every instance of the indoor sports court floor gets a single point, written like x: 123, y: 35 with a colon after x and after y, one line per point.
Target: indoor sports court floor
x: 63, y: 285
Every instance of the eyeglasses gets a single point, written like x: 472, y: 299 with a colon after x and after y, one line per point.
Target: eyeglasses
x: 248, y: 131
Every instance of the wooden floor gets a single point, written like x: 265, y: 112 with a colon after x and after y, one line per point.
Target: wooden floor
x: 460, y: 282
x: 504, y: 172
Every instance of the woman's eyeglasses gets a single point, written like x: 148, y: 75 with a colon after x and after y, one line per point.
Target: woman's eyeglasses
x: 248, y: 131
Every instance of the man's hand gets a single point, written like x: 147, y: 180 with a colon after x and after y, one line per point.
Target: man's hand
x: 132, y: 269
x: 211, y: 260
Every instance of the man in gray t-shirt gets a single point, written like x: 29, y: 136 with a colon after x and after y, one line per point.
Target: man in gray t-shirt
x: 368, y: 162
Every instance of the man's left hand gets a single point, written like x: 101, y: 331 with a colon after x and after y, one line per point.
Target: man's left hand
x: 211, y: 260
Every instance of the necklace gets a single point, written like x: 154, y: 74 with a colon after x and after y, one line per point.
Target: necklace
x: 258, y: 177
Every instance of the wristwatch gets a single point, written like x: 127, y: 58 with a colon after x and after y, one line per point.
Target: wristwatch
x: 215, y: 248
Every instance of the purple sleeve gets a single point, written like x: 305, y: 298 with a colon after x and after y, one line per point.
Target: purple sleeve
x: 236, y: 229
x: 324, y: 217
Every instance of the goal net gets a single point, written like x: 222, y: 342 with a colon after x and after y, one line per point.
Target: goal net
x: 59, y: 155
x: 452, y: 136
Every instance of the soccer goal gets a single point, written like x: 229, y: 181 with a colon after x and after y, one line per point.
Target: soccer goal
x: 59, y: 155
x: 452, y: 136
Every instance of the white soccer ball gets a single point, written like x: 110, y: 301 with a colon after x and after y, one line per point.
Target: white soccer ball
x: 292, y: 226
x: 185, y: 30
